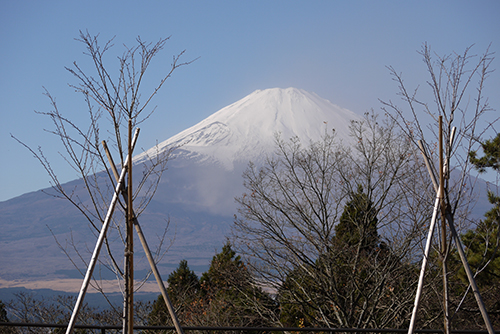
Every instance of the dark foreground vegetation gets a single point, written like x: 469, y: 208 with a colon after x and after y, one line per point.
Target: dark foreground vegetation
x: 227, y: 295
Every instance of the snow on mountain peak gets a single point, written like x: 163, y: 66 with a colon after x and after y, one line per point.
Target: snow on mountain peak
x: 245, y: 130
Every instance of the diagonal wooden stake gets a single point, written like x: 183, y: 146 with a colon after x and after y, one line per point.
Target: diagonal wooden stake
x: 147, y: 251
x: 98, y: 245
x: 470, y: 275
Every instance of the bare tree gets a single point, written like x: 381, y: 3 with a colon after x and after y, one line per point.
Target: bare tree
x: 288, y: 218
x: 114, y: 104
x: 31, y: 308
x: 457, y: 83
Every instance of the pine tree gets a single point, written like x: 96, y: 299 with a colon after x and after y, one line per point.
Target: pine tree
x: 230, y: 294
x: 183, y: 291
x: 483, y: 243
x: 3, y: 318
x: 483, y: 255
x: 183, y: 285
x: 3, y: 313
x: 482, y: 247
x: 359, y: 274
x: 358, y: 224
x: 482, y: 252
x: 226, y: 295
x: 491, y: 159
x: 294, y: 297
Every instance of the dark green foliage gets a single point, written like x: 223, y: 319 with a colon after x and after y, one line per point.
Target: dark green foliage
x: 232, y: 296
x: 3, y: 313
x: 491, y: 158
x: 293, y: 296
x: 483, y: 254
x: 483, y: 251
x: 159, y: 314
x: 482, y: 247
x: 183, y: 290
x: 354, y: 283
x: 3, y: 318
x: 483, y: 243
x: 358, y: 223
x: 226, y: 295
x: 183, y: 284
x: 226, y: 269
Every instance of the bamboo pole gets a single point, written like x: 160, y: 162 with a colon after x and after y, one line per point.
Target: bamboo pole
x: 149, y: 256
x: 424, y: 265
x: 427, y: 164
x: 98, y: 245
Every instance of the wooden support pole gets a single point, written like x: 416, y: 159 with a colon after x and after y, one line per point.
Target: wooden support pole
x: 129, y: 250
x: 98, y: 246
x: 149, y: 256
x: 458, y: 244
x: 444, y: 247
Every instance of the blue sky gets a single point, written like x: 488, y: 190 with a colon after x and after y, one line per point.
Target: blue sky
x: 337, y: 49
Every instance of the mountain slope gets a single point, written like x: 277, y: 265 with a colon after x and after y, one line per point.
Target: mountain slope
x: 196, y: 193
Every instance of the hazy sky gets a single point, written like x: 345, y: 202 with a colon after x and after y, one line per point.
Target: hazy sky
x: 337, y: 49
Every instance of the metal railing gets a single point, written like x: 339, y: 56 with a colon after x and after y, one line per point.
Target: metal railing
x: 103, y: 328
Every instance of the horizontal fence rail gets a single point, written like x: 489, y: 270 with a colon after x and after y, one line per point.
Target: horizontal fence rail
x: 103, y: 329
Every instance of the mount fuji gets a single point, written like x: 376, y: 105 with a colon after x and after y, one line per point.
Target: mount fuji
x: 196, y: 193
x: 205, y: 172
x: 245, y: 130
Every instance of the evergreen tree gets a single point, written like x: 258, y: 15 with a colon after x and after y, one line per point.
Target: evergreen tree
x: 293, y: 297
x: 491, y: 159
x: 3, y: 318
x: 483, y: 243
x: 483, y: 256
x: 230, y: 294
x: 226, y: 295
x: 3, y: 313
x: 183, y: 284
x: 354, y: 283
x: 483, y: 252
x: 183, y: 291
x: 358, y: 224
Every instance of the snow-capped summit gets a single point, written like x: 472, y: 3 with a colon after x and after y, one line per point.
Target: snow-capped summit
x: 245, y: 130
